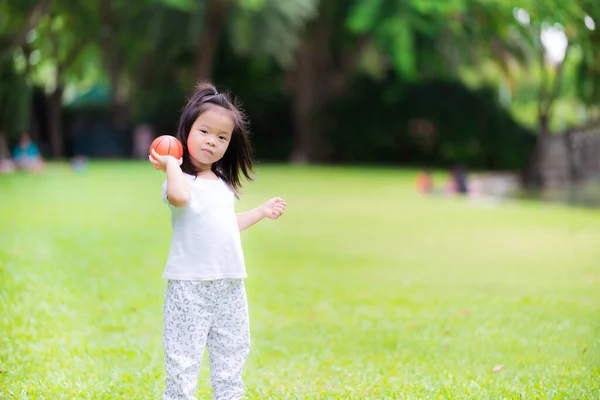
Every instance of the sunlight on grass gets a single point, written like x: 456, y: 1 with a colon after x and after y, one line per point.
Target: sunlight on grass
x: 362, y: 290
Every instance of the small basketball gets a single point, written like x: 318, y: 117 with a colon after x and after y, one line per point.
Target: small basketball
x: 167, y: 145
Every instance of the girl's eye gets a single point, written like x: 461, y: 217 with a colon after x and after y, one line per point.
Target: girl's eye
x: 203, y: 131
x: 222, y: 138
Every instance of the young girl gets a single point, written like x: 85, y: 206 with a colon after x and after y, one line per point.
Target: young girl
x: 205, y: 299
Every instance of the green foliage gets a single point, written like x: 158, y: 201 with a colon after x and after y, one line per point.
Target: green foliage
x: 13, y: 19
x: 587, y: 75
x: 270, y: 27
x: 392, y: 296
x: 148, y: 51
x: 399, y: 28
x: 182, y: 5
x: 60, y: 39
x: 365, y: 15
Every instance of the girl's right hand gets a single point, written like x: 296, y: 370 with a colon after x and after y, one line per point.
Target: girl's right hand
x: 160, y: 162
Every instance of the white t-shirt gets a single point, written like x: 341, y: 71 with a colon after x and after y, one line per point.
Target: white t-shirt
x: 206, y: 242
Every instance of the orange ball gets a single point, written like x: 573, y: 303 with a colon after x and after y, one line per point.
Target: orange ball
x: 167, y: 145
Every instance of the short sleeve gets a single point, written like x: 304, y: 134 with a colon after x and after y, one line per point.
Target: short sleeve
x: 32, y: 151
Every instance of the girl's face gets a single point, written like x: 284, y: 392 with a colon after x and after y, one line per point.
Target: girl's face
x: 210, y: 136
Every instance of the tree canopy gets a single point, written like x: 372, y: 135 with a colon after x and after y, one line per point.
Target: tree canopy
x: 305, y: 68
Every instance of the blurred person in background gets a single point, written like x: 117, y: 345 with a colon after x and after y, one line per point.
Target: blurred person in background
x: 461, y: 178
x: 27, y: 156
x: 457, y: 183
x: 424, y: 182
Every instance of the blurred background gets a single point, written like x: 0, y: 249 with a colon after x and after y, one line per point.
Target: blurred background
x: 510, y: 88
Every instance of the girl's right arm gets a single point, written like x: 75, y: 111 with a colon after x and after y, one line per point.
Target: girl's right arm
x: 178, y: 190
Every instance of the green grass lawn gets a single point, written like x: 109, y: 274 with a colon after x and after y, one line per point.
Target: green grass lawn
x: 363, y: 290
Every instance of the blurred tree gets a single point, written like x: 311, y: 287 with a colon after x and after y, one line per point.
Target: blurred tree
x: 256, y: 27
x: 14, y: 104
x: 180, y: 40
x: 554, y: 33
x: 17, y: 19
x: 150, y: 52
x: 60, y: 39
x: 588, y: 68
x: 472, y: 33
x: 325, y: 59
x: 368, y: 36
x: 403, y: 32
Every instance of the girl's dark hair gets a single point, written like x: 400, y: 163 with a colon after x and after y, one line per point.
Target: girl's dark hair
x: 238, y: 158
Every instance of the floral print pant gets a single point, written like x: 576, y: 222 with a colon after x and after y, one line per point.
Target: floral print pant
x: 205, y: 313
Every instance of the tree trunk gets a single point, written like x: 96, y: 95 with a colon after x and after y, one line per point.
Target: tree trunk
x: 311, y: 81
x: 320, y: 74
x: 305, y: 149
x: 119, y: 102
x: 114, y: 67
x: 32, y: 125
x: 484, y: 139
x: 534, y: 178
x: 303, y: 104
x: 56, y: 125
x: 208, y: 42
x: 4, y: 150
x: 54, y: 100
x: 113, y: 56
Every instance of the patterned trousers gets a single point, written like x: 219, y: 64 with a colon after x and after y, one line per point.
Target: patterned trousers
x: 205, y: 313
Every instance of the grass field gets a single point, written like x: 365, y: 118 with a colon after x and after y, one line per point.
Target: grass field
x: 363, y: 290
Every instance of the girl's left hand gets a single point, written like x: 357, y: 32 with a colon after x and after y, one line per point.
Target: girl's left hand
x: 273, y: 208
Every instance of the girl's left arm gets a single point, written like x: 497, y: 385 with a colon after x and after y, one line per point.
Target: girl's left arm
x: 272, y: 209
